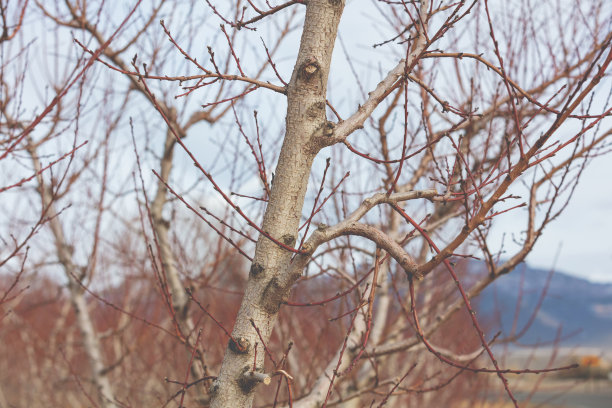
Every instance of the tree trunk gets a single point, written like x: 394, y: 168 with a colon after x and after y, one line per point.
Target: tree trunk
x: 180, y: 301
x: 91, y: 344
x: 269, y: 284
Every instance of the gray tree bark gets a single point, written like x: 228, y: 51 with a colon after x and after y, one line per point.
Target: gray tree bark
x: 270, y: 279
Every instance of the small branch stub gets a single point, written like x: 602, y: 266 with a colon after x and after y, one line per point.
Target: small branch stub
x: 249, y: 379
x: 257, y: 377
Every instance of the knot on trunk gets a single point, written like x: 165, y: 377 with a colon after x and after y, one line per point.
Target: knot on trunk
x: 240, y: 345
x: 256, y: 270
x: 273, y: 295
x: 310, y: 69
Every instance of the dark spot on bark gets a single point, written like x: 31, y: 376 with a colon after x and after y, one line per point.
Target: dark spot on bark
x: 256, y: 270
x: 272, y: 296
x: 295, y: 276
x: 240, y: 346
x: 288, y: 239
x: 316, y: 110
x: 328, y: 129
x: 246, y: 385
x: 214, y: 388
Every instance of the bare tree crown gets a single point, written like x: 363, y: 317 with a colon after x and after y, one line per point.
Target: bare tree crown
x: 233, y: 220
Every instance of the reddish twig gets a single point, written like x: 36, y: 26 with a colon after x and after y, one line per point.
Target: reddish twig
x: 263, y: 343
x: 341, y: 354
x: 368, y: 317
x: 262, y: 14
x: 202, y: 308
x: 386, y: 398
x: 76, y: 378
x: 66, y: 88
x: 334, y: 190
x: 314, y: 204
x: 208, y: 175
x: 231, y: 46
x: 184, y: 387
x: 25, y: 180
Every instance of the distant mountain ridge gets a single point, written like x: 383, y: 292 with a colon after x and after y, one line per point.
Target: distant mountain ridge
x: 582, y: 309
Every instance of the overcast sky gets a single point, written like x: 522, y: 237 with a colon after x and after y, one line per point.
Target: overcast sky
x: 577, y: 243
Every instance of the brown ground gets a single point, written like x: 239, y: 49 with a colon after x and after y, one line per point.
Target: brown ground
x: 557, y: 393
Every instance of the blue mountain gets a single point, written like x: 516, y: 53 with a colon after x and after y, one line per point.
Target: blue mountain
x: 578, y: 311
